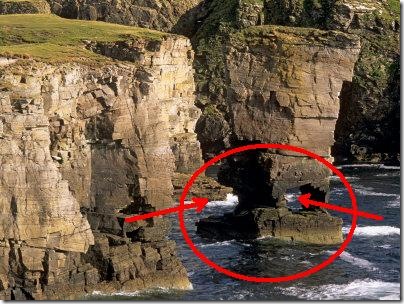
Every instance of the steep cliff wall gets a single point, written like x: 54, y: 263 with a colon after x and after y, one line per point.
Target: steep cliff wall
x: 369, y: 105
x: 368, y: 128
x: 288, y: 92
x: 160, y: 15
x: 84, y: 143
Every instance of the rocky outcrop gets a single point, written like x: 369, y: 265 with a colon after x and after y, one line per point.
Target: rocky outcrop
x: 288, y: 93
x: 204, y: 186
x: 24, y: 7
x: 310, y: 227
x: 160, y: 14
x: 82, y: 147
x: 368, y: 125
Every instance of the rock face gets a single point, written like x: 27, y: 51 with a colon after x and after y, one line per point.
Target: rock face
x: 288, y: 93
x: 369, y: 124
x: 204, y: 186
x: 24, y: 7
x: 369, y: 105
x: 312, y: 227
x: 160, y: 14
x: 82, y: 147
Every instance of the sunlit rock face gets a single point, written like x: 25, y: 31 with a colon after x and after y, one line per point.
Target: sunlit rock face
x: 284, y: 85
x: 81, y: 148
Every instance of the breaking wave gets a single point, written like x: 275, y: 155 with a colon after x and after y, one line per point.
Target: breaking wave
x: 362, y: 289
x: 139, y: 292
x: 373, y: 230
x: 359, y: 262
x: 370, y: 192
x: 396, y: 203
x: 349, y: 178
x: 231, y: 201
x: 377, y: 166
x: 216, y: 244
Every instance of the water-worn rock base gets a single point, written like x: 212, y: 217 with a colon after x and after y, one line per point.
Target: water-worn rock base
x: 308, y: 226
x: 203, y: 186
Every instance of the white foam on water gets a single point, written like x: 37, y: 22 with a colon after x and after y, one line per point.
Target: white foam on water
x: 382, y: 174
x: 369, y: 231
x: 370, y: 191
x: 291, y: 197
x: 387, y: 246
x: 139, y: 292
x: 358, y: 166
x: 358, y: 262
x: 396, y: 203
x: 264, y: 237
x: 363, y: 289
x: 231, y: 201
x: 380, y: 166
x: 390, y: 167
x: 349, y: 178
x: 216, y: 244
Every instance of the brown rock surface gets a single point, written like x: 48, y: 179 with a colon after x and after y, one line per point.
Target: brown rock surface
x: 312, y: 227
x: 24, y: 7
x: 81, y: 148
x: 156, y: 14
x: 368, y: 126
x: 203, y: 186
x: 288, y: 93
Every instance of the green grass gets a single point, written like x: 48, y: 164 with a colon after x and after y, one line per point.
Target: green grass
x: 266, y: 34
x: 51, y: 38
x: 393, y: 7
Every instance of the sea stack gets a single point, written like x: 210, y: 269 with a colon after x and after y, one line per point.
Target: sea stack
x: 288, y: 93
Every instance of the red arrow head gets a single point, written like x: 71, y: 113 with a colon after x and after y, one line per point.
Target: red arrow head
x: 201, y: 203
x: 304, y: 199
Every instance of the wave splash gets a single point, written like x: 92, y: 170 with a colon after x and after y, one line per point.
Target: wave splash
x: 231, y: 201
x: 363, y: 289
x: 369, y: 231
x: 359, y: 262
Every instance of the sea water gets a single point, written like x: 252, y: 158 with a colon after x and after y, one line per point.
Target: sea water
x: 369, y: 269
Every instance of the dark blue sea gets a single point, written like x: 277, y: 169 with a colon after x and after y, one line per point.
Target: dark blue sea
x: 369, y: 269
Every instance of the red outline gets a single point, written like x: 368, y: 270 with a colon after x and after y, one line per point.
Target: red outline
x: 292, y: 277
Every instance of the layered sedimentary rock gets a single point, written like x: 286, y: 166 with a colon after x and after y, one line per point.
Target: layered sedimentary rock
x: 82, y: 146
x: 160, y: 14
x: 368, y: 127
x: 369, y: 123
x: 288, y: 93
x: 204, y: 186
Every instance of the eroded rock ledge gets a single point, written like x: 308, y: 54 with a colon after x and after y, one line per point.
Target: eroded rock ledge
x: 288, y: 93
x: 81, y: 147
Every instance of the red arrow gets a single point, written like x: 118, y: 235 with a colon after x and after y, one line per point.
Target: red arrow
x: 305, y: 200
x: 198, y: 202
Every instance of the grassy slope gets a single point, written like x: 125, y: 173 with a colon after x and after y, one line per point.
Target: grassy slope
x: 54, y: 39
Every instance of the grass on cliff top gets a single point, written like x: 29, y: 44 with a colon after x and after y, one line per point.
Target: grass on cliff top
x: 263, y: 34
x: 53, y: 39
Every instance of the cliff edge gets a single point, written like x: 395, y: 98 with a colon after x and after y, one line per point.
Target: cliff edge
x: 92, y: 118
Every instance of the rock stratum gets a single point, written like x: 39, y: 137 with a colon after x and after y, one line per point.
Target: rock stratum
x: 368, y: 126
x: 82, y: 147
x: 288, y: 93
